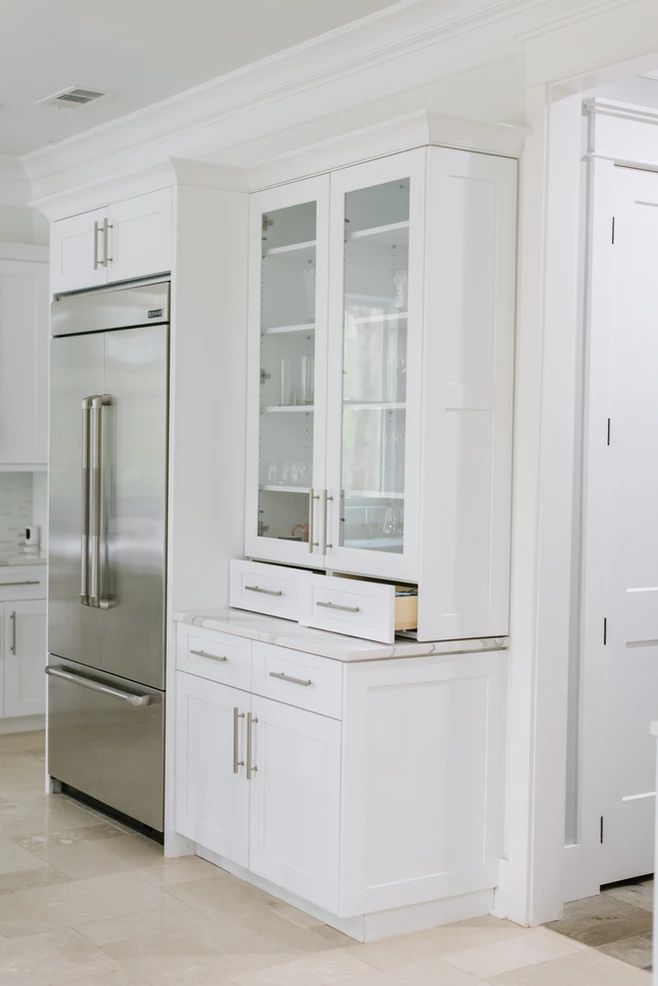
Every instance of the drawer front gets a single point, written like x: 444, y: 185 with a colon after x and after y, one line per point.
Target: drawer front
x: 359, y: 609
x: 214, y: 655
x: 268, y: 589
x: 22, y: 583
x: 304, y: 680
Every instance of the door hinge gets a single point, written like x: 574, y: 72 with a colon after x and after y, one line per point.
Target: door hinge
x: 608, y: 433
x: 601, y: 831
x: 605, y: 630
x: 612, y: 238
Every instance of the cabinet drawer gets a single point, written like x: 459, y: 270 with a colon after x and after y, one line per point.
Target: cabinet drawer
x: 22, y: 583
x: 360, y: 609
x: 218, y: 656
x: 305, y: 680
x: 269, y: 589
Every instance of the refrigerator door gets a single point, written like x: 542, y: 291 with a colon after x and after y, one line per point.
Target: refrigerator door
x: 107, y: 586
x: 76, y: 373
x: 105, y: 738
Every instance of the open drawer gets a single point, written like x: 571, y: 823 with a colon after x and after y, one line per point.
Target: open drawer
x: 373, y: 610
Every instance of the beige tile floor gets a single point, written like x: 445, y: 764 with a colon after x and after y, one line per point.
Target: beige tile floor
x: 84, y: 901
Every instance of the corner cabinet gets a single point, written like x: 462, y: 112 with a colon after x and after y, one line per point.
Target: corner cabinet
x: 23, y: 651
x: 380, y: 374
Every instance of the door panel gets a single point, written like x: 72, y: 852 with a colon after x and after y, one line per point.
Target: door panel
x: 295, y: 801
x: 212, y: 796
x: 73, y: 251
x: 629, y: 670
x: 25, y: 658
x: 139, y: 243
x: 103, y: 744
x: 135, y: 464
x: 74, y: 630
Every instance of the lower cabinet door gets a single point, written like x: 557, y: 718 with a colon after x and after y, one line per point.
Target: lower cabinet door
x: 212, y: 794
x: 25, y: 657
x: 295, y: 800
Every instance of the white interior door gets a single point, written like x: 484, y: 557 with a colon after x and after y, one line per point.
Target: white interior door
x: 629, y: 671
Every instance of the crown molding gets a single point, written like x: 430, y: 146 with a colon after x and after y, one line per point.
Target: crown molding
x: 425, y: 39
x: 24, y: 251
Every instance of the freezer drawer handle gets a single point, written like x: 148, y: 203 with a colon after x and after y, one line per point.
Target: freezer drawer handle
x: 266, y: 592
x: 97, y: 686
x: 288, y: 677
x: 213, y: 657
x: 343, y: 609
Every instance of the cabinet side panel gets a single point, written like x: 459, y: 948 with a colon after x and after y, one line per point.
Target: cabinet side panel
x: 468, y: 365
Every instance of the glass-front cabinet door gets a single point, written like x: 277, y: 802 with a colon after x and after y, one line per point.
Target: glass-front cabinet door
x: 287, y: 371
x: 376, y: 300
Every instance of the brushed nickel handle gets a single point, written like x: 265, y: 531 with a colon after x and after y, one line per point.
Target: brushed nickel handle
x: 343, y: 609
x: 213, y: 657
x: 84, y: 553
x: 98, y: 594
x: 26, y: 582
x: 251, y: 768
x: 98, y: 686
x: 288, y: 677
x: 13, y: 631
x: 266, y: 592
x: 97, y: 261
x: 237, y: 715
x: 325, y: 501
x: 106, y: 242
x: 312, y: 496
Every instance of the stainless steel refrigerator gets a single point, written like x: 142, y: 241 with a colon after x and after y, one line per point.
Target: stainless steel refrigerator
x: 107, y: 546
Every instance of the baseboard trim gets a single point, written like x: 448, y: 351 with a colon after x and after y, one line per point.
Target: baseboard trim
x: 22, y: 724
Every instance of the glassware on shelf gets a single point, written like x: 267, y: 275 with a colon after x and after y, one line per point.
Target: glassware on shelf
x: 401, y: 283
x: 306, y: 379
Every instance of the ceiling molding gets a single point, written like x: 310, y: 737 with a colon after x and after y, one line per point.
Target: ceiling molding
x: 426, y: 39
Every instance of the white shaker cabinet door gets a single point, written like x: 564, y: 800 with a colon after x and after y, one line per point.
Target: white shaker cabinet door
x: 139, y: 236
x: 212, y: 794
x: 23, y: 362
x: 295, y: 801
x: 76, y: 252
x: 24, y: 657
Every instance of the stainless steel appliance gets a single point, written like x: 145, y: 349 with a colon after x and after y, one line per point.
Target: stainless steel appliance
x: 107, y: 546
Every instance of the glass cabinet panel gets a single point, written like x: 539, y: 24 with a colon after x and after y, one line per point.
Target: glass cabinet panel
x: 287, y: 371
x: 374, y: 386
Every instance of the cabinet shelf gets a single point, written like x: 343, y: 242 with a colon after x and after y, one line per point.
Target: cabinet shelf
x: 379, y: 319
x: 375, y: 405
x: 390, y: 233
x: 371, y: 495
x: 306, y: 247
x: 275, y: 488
x: 286, y: 329
x: 285, y: 408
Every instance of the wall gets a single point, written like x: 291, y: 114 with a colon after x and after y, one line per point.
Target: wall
x: 15, y: 509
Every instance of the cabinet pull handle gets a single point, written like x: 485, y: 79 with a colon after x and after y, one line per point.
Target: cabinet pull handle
x: 266, y: 592
x: 213, y: 657
x: 325, y: 501
x: 251, y: 768
x: 288, y: 677
x: 106, y: 242
x: 3, y: 585
x: 13, y: 631
x: 97, y: 261
x: 343, y: 609
x: 311, y: 513
x: 237, y: 715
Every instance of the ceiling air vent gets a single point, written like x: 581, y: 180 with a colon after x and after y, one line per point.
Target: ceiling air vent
x: 73, y: 96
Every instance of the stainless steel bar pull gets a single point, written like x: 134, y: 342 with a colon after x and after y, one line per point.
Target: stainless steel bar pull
x: 288, y: 677
x: 99, y: 595
x: 237, y: 715
x: 266, y: 592
x: 84, y: 553
x: 251, y: 767
x: 98, y: 686
x: 343, y: 609
x: 97, y: 261
x: 213, y: 657
x: 312, y: 544
x: 106, y: 243
x: 13, y: 631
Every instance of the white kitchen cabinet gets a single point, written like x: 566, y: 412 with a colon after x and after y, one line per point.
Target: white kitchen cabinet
x: 295, y: 797
x: 23, y: 362
x: 24, y: 657
x: 125, y: 240
x: 380, y: 379
x: 212, y: 796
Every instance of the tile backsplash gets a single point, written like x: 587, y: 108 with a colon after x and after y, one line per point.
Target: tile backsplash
x: 15, y: 509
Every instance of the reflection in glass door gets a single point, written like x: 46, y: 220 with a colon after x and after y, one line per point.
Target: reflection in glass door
x: 287, y: 371
x: 374, y: 395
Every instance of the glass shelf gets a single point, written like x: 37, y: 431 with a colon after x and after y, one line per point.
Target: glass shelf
x: 375, y: 405
x: 381, y: 318
x: 275, y: 330
x: 275, y: 488
x: 300, y: 250
x: 285, y: 408
x: 391, y: 233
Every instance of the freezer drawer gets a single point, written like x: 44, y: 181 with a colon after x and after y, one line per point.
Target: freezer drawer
x: 106, y: 738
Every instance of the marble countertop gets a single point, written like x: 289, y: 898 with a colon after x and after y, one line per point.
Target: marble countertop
x: 285, y: 633
x: 17, y: 561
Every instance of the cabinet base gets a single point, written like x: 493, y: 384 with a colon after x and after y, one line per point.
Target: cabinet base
x: 371, y: 927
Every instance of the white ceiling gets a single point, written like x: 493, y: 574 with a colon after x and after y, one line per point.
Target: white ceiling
x: 141, y: 50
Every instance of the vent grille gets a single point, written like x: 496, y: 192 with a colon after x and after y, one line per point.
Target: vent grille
x: 73, y: 96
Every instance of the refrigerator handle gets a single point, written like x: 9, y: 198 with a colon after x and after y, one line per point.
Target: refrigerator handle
x: 98, y: 594
x: 84, y: 555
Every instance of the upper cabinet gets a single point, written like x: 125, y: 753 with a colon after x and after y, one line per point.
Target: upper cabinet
x: 118, y: 243
x: 380, y: 377
x: 23, y: 359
